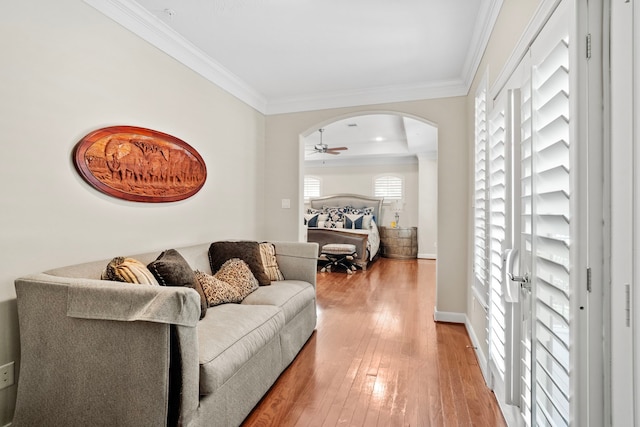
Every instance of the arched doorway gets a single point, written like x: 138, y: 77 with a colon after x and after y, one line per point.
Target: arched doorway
x: 371, y: 144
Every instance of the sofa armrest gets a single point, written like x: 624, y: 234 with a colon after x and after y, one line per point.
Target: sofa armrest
x: 298, y: 260
x: 84, y: 369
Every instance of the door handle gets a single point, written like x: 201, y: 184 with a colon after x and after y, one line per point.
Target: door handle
x: 510, y: 259
x: 525, y: 281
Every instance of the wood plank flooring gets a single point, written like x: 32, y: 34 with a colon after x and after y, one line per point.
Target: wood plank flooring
x: 377, y: 358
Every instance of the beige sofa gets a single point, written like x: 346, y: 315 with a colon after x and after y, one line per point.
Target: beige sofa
x: 101, y: 353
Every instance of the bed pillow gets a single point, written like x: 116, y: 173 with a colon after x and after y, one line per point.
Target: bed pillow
x: 269, y: 261
x: 248, y: 251
x: 128, y: 270
x: 171, y: 269
x: 358, y: 221
x: 311, y: 220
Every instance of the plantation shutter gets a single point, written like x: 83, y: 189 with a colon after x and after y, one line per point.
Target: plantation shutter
x: 526, y: 225
x: 311, y: 187
x: 480, y: 197
x: 498, y: 235
x: 389, y: 187
x: 549, y: 208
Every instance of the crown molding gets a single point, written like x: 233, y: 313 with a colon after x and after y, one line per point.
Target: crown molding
x: 488, y: 15
x: 540, y: 17
x: 139, y: 21
x: 368, y: 96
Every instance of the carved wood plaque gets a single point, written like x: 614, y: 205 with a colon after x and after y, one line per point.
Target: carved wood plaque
x: 140, y: 164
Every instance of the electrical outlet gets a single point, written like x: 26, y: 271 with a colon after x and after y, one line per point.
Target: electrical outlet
x: 6, y: 375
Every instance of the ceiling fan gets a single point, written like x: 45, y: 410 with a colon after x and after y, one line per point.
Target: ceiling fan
x: 325, y: 149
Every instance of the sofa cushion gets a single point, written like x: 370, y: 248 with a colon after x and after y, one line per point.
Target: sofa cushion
x: 229, y: 336
x: 249, y: 252
x: 290, y: 295
x: 171, y: 269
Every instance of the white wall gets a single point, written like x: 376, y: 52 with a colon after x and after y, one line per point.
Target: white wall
x: 67, y: 70
x: 283, y: 160
x: 428, y: 206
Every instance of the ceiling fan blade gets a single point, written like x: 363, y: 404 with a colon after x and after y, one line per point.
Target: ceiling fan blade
x: 338, y: 148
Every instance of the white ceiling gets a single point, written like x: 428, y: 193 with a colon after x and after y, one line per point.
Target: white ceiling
x: 283, y: 56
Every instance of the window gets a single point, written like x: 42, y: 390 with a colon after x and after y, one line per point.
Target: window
x: 388, y: 186
x: 311, y: 187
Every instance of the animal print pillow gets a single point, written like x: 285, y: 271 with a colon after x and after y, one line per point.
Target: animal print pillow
x: 231, y: 284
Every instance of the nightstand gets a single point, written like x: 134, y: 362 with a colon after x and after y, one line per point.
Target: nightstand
x: 399, y: 243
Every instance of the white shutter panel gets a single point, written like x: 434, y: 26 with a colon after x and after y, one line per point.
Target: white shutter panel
x: 480, y: 197
x: 526, y: 198
x: 311, y: 187
x: 498, y: 235
x: 551, y: 215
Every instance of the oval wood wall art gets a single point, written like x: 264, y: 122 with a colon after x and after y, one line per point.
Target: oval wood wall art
x: 140, y: 164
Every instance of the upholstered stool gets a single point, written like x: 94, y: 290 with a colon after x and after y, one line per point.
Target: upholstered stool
x: 339, y: 254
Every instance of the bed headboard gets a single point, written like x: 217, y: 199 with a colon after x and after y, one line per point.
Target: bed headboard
x: 354, y: 200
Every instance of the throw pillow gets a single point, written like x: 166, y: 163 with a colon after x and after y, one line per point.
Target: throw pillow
x: 217, y: 291
x: 128, y: 270
x: 171, y: 269
x: 269, y: 261
x: 236, y: 273
x: 249, y: 252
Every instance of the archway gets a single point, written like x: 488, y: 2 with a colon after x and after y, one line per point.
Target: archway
x: 417, y: 165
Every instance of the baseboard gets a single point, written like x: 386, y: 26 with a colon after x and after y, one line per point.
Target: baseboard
x: 427, y: 256
x: 447, y: 316
x: 482, y: 358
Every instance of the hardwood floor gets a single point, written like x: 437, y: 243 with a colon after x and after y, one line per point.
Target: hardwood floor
x: 377, y: 358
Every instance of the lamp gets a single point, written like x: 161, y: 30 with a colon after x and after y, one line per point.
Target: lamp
x: 397, y: 206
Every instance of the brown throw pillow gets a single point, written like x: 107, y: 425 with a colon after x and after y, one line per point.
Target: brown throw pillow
x: 128, y: 270
x: 171, y: 269
x: 249, y: 252
x: 269, y: 261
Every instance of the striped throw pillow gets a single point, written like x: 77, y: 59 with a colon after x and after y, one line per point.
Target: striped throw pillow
x: 128, y: 270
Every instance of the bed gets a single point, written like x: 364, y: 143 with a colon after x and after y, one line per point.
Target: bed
x: 346, y: 218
